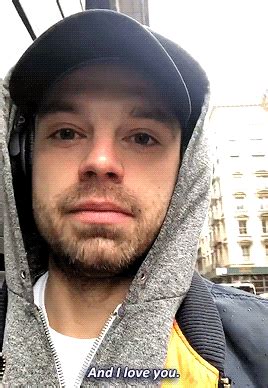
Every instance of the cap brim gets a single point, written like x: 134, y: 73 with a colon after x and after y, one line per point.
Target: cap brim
x: 87, y: 36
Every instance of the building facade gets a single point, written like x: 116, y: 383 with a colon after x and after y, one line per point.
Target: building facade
x: 234, y: 242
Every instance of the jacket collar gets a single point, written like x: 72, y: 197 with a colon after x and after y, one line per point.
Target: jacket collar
x: 200, y: 322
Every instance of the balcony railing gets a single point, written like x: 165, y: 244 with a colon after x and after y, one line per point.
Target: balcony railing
x: 244, y: 238
x: 241, y: 211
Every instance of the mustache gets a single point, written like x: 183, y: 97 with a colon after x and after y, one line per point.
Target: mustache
x: 68, y: 199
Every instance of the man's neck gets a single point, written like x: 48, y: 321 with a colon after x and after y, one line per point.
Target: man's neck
x: 81, y: 310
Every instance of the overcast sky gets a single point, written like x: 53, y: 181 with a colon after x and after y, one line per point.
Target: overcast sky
x: 228, y: 37
x: 14, y: 38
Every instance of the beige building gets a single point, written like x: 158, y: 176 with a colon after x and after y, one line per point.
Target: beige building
x: 234, y: 242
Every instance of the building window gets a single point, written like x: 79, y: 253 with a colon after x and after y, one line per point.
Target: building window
x: 240, y: 204
x: 257, y: 147
x: 245, y: 251
x: 262, y: 182
x: 264, y: 223
x: 240, y: 200
x: 237, y: 175
x: 242, y: 226
x: 266, y: 249
x: 235, y: 163
x: 258, y: 162
x: 263, y: 200
x: 233, y: 148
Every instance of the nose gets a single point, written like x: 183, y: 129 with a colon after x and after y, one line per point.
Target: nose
x: 102, y: 161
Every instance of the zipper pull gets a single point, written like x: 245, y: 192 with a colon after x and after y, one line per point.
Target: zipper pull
x: 225, y: 382
x: 116, y: 310
x: 2, y: 366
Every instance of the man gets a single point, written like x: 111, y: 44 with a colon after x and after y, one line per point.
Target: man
x: 105, y: 199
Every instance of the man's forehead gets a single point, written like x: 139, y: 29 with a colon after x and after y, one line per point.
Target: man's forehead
x: 75, y: 92
x: 111, y: 79
x: 104, y: 78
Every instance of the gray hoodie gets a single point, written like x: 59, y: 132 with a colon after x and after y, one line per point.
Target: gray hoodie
x: 139, y: 334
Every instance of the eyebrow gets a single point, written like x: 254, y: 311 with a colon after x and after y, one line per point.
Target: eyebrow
x: 151, y: 113
x: 55, y: 107
x: 157, y: 114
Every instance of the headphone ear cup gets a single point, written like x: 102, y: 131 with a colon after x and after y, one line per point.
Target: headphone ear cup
x: 29, y: 144
x: 22, y: 151
x: 26, y: 149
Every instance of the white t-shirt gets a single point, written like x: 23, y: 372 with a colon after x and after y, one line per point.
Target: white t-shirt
x: 71, y: 351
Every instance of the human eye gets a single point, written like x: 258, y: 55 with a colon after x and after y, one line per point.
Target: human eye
x: 66, y: 134
x: 143, y: 139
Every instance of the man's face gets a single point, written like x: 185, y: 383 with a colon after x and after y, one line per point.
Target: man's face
x: 105, y: 162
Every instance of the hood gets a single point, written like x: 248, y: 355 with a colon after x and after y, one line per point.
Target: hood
x: 165, y: 275
x: 172, y: 257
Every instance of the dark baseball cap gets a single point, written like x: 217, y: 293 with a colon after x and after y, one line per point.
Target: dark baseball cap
x: 97, y: 34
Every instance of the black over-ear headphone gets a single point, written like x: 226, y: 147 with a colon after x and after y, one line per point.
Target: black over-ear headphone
x: 21, y: 143
x: 21, y: 150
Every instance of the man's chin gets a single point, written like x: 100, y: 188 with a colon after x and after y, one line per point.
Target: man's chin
x: 97, y: 233
x: 81, y: 272
x: 89, y: 264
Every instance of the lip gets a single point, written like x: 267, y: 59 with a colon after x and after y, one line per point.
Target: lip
x: 100, y: 212
x: 99, y: 206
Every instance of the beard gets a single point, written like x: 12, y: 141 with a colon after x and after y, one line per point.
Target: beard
x: 86, y: 251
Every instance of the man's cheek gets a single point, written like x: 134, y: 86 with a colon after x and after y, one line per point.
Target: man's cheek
x: 43, y: 187
x: 47, y: 180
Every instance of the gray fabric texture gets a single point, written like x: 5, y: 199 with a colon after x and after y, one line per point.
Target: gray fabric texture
x: 139, y: 337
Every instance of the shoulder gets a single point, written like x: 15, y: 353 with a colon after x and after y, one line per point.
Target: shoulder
x: 232, y: 297
x: 220, y: 292
x: 245, y: 323
x: 240, y: 310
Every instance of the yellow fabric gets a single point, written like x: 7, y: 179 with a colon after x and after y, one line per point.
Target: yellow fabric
x: 195, y: 372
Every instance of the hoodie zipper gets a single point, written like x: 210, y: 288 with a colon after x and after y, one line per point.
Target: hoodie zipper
x: 225, y: 382
x: 2, y: 366
x: 95, y: 347
x: 53, y: 349
x: 90, y: 355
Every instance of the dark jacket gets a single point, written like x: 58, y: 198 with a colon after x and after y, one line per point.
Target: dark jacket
x: 242, y: 347
x: 220, y: 323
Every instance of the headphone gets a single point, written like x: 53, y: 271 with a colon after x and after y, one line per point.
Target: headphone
x: 21, y: 143
x: 21, y: 150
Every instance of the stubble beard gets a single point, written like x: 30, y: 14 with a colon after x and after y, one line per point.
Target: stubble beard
x: 86, y: 251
